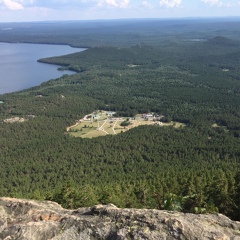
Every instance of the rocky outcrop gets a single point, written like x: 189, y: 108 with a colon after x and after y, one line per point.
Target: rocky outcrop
x: 36, y: 220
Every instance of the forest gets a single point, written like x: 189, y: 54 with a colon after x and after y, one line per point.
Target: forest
x: 181, y: 70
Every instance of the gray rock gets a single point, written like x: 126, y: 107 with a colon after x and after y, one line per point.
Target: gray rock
x: 42, y: 220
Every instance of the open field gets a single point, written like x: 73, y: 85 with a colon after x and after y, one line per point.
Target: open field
x: 102, y: 123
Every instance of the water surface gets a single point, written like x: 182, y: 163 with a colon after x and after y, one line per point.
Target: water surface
x: 19, y: 68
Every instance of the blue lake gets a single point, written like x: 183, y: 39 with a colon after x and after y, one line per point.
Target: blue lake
x: 19, y: 68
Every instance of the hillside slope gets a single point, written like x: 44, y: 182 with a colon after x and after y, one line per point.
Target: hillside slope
x: 195, y: 84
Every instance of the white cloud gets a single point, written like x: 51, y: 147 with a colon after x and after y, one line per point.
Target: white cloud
x: 218, y: 3
x: 146, y: 4
x: 124, y: 3
x: 213, y: 2
x: 12, y: 5
x: 170, y: 3
x: 114, y: 3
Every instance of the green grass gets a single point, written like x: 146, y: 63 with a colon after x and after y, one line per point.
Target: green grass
x: 104, y: 126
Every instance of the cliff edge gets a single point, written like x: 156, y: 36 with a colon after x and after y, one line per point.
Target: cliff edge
x: 41, y: 220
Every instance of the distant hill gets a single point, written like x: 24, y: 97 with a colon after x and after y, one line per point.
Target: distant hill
x: 224, y: 41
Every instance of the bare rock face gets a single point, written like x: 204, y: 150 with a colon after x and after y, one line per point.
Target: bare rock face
x: 36, y: 220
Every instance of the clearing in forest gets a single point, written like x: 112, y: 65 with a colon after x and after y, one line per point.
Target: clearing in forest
x: 102, y: 123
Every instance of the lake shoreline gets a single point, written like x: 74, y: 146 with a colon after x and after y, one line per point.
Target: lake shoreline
x: 22, y: 67
x: 46, y: 43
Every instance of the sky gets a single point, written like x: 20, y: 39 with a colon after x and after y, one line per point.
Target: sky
x: 51, y: 10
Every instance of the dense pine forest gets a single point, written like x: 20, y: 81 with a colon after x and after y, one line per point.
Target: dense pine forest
x: 182, y: 70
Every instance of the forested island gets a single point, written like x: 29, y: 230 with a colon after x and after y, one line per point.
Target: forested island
x: 177, y: 69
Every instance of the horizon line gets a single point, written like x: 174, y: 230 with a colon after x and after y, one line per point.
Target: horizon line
x: 129, y: 19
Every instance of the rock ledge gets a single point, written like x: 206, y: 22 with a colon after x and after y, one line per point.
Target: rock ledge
x: 36, y: 220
